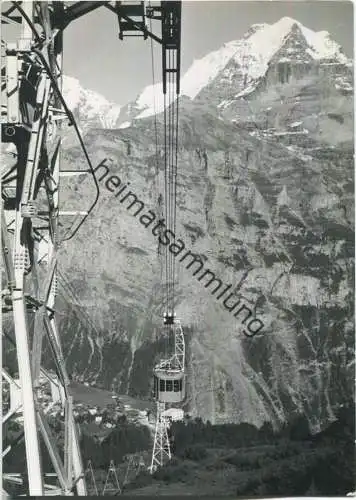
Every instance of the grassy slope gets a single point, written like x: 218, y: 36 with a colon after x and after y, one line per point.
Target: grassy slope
x: 289, y: 463
x: 253, y: 472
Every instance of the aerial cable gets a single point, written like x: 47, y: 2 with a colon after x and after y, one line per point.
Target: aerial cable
x: 175, y: 161
x: 154, y: 93
x: 165, y: 253
x: 73, y: 122
x: 69, y: 114
x: 175, y: 104
x: 172, y: 177
x: 171, y: 157
x: 170, y: 145
x: 169, y: 177
x: 173, y: 181
x: 171, y: 166
x: 165, y: 196
x: 168, y: 190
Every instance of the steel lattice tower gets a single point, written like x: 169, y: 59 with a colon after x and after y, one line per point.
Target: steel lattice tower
x: 30, y: 237
x: 169, y: 379
x: 161, y: 448
x: 34, y: 224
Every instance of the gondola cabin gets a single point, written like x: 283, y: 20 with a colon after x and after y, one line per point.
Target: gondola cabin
x: 169, y: 386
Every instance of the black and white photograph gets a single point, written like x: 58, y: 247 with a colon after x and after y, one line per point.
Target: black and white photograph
x: 178, y: 249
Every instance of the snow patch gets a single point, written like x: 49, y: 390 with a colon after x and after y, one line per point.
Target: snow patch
x: 295, y: 124
x: 283, y: 198
x: 125, y: 125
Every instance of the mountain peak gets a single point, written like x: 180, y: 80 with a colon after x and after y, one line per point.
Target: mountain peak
x: 268, y: 38
x: 287, y: 21
x: 254, y: 28
x: 89, y: 105
x: 280, y: 28
x: 253, y: 53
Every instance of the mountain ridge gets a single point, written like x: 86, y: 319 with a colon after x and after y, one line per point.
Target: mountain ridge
x: 252, y: 53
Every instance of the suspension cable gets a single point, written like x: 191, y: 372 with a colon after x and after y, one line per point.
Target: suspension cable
x: 154, y: 94
x: 171, y: 104
x: 170, y: 201
x: 165, y: 292
x: 166, y: 180
x: 69, y: 114
x: 170, y: 159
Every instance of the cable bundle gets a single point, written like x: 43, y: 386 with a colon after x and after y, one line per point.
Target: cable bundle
x: 171, y: 58
x: 170, y: 174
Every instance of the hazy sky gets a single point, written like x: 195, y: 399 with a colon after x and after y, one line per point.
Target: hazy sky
x: 119, y: 70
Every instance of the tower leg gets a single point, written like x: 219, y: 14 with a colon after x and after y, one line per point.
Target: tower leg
x: 161, y: 448
x: 29, y: 413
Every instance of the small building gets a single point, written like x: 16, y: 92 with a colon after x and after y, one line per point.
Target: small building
x: 174, y: 414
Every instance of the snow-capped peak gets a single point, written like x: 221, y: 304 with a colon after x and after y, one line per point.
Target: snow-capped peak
x: 266, y: 39
x: 320, y: 43
x: 201, y: 73
x: 89, y: 105
x: 252, y: 52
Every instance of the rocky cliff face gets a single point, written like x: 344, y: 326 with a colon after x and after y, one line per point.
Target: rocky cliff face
x: 265, y: 196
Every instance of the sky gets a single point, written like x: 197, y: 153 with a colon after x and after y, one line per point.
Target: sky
x: 119, y: 70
